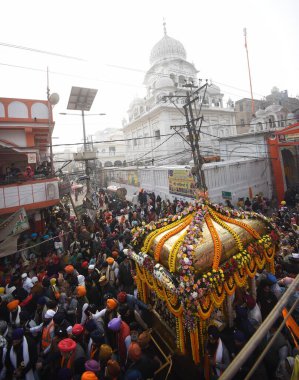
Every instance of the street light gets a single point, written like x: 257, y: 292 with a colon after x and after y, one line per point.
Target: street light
x: 81, y: 99
x: 52, y: 100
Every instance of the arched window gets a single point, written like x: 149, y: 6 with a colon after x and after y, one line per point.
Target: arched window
x: 259, y: 127
x: 2, y: 111
x: 39, y: 111
x: 18, y: 110
x: 173, y: 77
x: 182, y: 80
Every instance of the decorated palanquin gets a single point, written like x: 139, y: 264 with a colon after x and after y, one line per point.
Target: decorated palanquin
x: 192, y: 263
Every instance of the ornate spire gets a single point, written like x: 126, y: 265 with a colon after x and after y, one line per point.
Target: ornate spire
x: 164, y: 27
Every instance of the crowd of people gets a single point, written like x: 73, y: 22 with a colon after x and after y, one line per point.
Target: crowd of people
x: 69, y: 307
x: 15, y: 173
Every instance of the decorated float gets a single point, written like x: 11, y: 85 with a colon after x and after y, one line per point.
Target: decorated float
x: 190, y: 265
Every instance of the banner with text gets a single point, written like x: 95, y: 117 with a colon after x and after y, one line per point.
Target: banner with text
x: 181, y: 182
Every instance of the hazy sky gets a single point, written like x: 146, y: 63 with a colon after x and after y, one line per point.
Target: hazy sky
x: 108, y: 35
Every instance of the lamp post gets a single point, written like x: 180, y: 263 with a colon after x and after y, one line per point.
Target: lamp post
x: 81, y: 99
x: 52, y: 99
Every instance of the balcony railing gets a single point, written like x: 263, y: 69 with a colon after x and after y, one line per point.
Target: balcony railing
x: 30, y: 194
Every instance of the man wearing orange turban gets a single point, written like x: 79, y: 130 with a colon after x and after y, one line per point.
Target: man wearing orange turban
x: 14, y: 313
x: 69, y: 269
x: 110, y: 260
x: 13, y: 305
x: 111, y: 304
x: 112, y: 272
x: 81, y: 291
x: 88, y: 375
x: 82, y: 303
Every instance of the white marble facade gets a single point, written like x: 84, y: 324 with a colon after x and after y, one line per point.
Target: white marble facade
x: 150, y: 117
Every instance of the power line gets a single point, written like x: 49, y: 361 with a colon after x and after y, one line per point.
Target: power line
x: 41, y: 51
x: 158, y: 74
x: 152, y: 137
x: 71, y: 75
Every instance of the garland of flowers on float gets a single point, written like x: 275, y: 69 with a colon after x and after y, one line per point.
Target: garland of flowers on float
x: 193, y: 291
x: 241, y: 214
x: 174, y: 251
x: 189, y: 291
x: 147, y: 264
x: 150, y: 238
x: 141, y: 232
x: 185, y: 222
x: 235, y: 266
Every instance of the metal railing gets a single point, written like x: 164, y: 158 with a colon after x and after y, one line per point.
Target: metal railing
x: 262, y: 331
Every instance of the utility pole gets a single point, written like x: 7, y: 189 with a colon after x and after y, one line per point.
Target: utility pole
x: 87, y: 171
x: 249, y: 73
x: 193, y: 126
x: 50, y: 119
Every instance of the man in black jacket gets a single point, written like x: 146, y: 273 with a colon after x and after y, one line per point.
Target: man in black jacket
x: 21, y: 356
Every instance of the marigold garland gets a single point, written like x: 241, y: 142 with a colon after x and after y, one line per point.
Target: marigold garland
x: 162, y: 293
x: 184, y: 223
x: 217, y: 300
x: 172, y: 297
x: 229, y: 229
x: 201, y: 328
x: 194, y: 345
x: 230, y: 286
x: 216, y: 241
x: 150, y: 238
x: 240, y: 278
x: 148, y: 278
x: 260, y: 262
x: 139, y: 233
x: 174, y: 251
x: 205, y: 308
x: 251, y: 269
x: 243, y: 225
x: 176, y: 312
x: 180, y: 334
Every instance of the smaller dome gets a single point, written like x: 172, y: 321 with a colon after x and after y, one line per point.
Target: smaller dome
x: 136, y: 102
x: 163, y: 82
x: 274, y: 108
x: 259, y: 113
x: 213, y: 89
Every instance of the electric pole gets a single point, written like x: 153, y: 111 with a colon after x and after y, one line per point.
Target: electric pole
x: 249, y: 73
x: 193, y: 125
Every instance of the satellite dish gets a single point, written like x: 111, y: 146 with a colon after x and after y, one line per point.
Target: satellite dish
x: 54, y: 99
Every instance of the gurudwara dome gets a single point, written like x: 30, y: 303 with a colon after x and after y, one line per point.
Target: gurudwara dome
x: 167, y: 48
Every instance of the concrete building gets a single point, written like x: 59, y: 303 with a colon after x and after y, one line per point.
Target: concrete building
x: 243, y: 109
x: 263, y: 109
x: 150, y: 139
x: 112, y: 151
x: 26, y: 127
x: 274, y: 117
